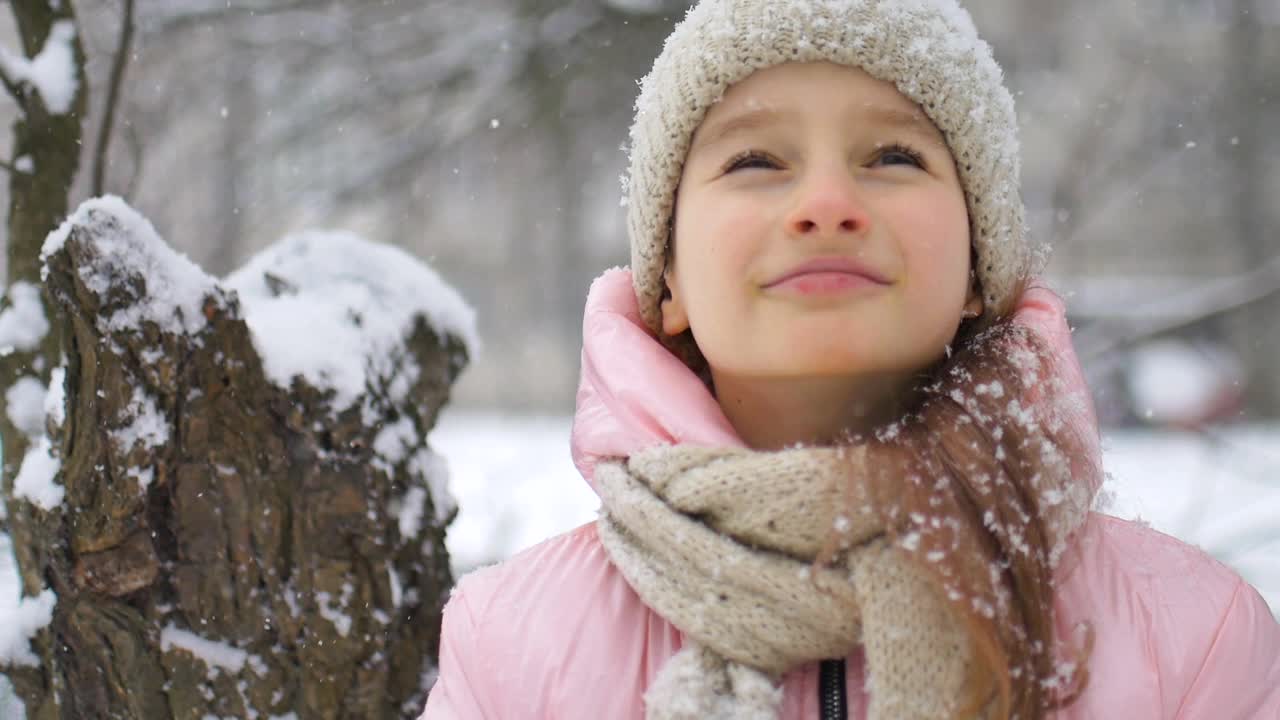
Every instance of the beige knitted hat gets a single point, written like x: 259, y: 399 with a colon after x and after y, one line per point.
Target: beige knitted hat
x: 929, y: 49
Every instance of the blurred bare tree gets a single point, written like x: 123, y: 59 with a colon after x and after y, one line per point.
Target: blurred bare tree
x: 1147, y: 171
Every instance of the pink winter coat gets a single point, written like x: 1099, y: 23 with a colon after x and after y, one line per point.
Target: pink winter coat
x: 556, y: 632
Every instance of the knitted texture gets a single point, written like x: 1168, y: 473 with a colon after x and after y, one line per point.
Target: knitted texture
x: 929, y: 49
x: 698, y: 684
x: 723, y: 542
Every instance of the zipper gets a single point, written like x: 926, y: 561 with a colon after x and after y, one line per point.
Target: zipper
x: 832, y: 704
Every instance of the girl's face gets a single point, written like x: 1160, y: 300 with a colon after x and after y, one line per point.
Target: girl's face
x: 820, y: 230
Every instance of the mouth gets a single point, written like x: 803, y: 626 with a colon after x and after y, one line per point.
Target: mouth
x: 827, y: 275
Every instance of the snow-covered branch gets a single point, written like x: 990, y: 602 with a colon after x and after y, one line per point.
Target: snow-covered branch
x: 315, y: 292
x: 52, y: 72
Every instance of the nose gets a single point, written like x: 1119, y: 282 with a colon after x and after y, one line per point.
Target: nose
x: 827, y: 203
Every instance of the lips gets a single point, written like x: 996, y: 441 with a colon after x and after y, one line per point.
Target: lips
x: 830, y: 267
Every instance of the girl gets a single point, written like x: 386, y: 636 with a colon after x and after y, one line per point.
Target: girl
x: 843, y: 447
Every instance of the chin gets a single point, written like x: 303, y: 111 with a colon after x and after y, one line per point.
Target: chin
x: 831, y: 362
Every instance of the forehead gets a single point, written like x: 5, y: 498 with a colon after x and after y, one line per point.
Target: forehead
x: 800, y: 92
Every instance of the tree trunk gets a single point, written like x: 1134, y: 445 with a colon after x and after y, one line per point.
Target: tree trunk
x: 44, y: 162
x: 227, y: 547
x: 208, y: 542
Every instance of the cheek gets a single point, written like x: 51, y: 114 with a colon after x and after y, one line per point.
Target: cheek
x: 940, y: 244
x: 714, y: 248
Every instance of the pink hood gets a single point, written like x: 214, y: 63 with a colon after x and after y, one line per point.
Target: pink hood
x: 556, y: 632
x: 619, y: 409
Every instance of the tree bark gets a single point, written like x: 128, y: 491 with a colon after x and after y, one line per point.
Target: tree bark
x: 38, y: 200
x: 225, y: 546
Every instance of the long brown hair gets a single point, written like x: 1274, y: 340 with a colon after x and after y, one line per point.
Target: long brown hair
x: 973, y: 485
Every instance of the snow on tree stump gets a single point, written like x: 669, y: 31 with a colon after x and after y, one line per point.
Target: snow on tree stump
x: 238, y: 511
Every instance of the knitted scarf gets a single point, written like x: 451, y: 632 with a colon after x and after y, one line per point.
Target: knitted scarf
x: 734, y: 548
x: 722, y: 543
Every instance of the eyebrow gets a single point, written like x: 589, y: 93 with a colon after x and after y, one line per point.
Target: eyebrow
x: 753, y: 119
x: 912, y: 122
x: 915, y: 122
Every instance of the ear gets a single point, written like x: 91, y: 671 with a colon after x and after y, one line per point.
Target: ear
x: 675, y: 318
x: 973, y: 304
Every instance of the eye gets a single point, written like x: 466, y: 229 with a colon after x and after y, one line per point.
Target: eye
x: 751, y: 159
x: 899, y: 154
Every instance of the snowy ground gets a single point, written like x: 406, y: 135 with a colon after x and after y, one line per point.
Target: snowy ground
x: 516, y: 486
